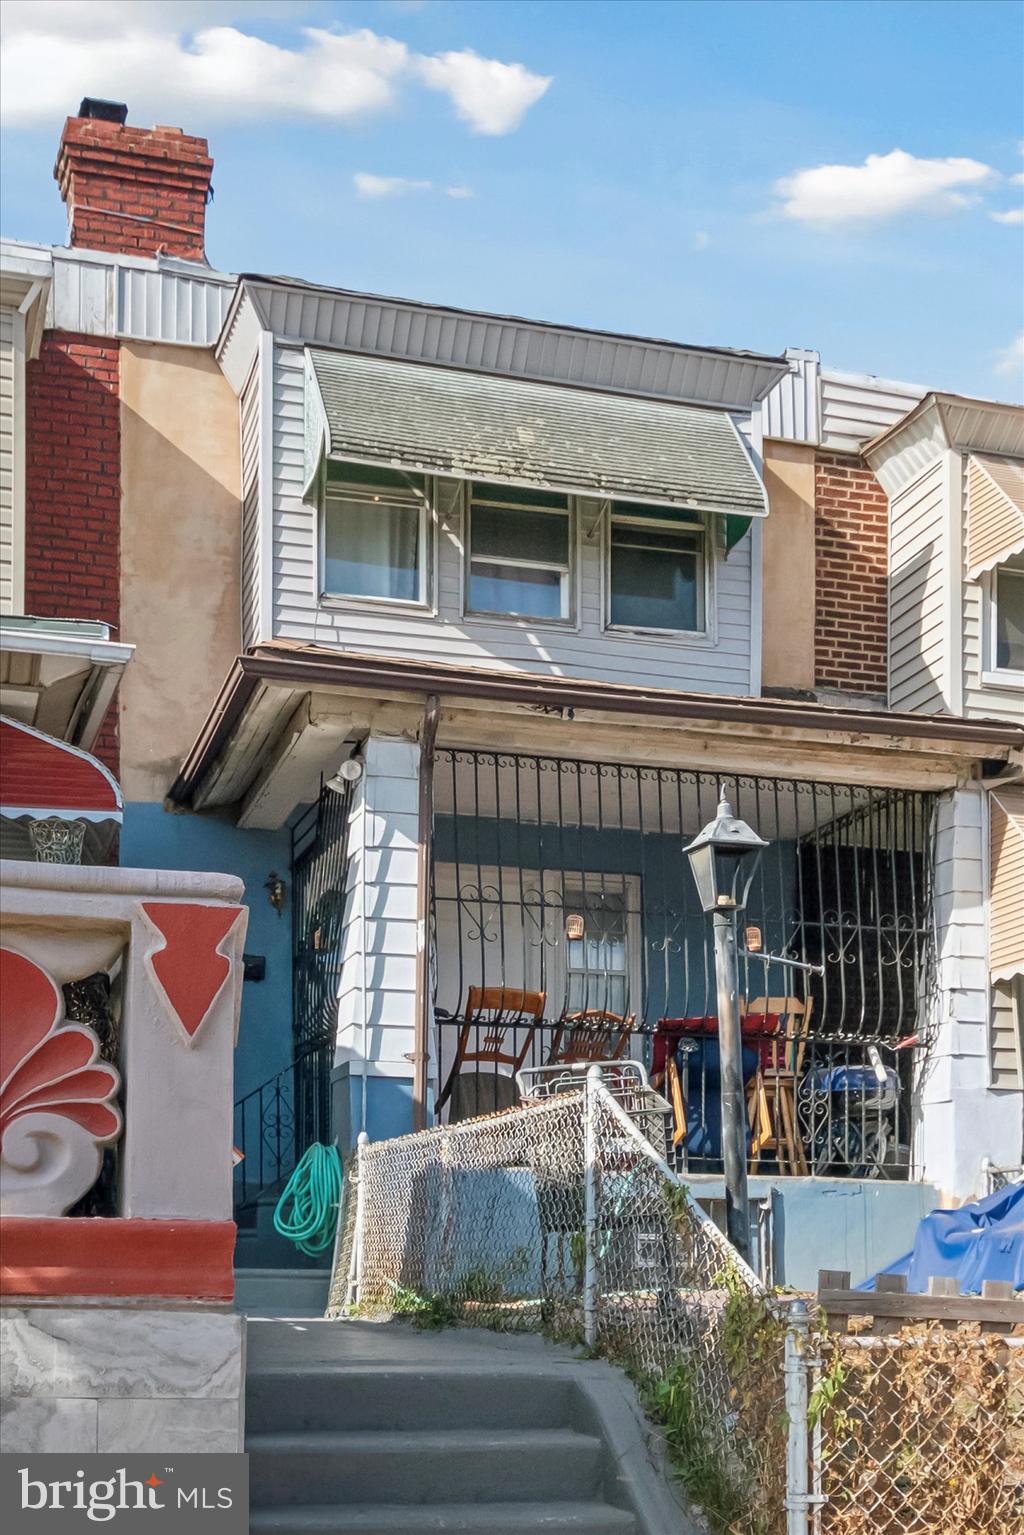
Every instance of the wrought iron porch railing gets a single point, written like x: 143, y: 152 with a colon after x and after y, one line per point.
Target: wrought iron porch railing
x: 278, y: 1121
x: 852, y: 1113
x: 568, y: 879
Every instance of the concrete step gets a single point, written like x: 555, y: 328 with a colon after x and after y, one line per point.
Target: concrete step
x: 272, y: 1292
x: 284, y: 1400
x: 460, y: 1466
x: 455, y: 1519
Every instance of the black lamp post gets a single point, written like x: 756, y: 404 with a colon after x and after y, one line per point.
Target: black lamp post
x: 724, y: 858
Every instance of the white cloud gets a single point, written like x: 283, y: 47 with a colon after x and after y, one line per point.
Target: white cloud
x: 1018, y: 179
x: 1011, y: 358
x: 368, y: 185
x: 700, y: 240
x: 491, y: 97
x: 1008, y: 216
x: 219, y: 73
x: 883, y: 186
x: 144, y: 52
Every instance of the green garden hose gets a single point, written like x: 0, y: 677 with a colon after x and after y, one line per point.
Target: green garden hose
x: 307, y: 1212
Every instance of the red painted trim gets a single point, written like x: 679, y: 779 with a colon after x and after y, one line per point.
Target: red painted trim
x: 41, y: 1255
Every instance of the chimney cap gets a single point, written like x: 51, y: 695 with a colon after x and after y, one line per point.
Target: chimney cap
x: 103, y: 111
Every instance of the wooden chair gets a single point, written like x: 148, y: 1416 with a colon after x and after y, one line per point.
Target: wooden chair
x: 492, y: 1014
x: 592, y: 1035
x: 677, y: 1098
x: 771, y: 1096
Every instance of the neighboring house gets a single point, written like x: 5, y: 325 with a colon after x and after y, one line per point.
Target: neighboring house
x: 450, y: 629
x: 119, y: 497
x: 953, y: 469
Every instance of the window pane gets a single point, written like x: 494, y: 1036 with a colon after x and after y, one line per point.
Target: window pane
x: 376, y: 476
x: 371, y: 549
x: 520, y: 495
x: 1010, y: 620
x: 655, y: 579
x: 657, y: 513
x: 517, y: 535
x: 514, y: 589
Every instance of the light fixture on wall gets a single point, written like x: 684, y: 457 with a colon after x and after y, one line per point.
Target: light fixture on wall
x: 350, y: 772
x: 275, y: 887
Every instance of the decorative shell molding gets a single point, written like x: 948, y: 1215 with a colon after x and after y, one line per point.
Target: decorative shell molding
x: 56, y: 1096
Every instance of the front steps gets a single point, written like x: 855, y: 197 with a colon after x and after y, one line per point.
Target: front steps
x: 282, y: 1292
x: 356, y: 1428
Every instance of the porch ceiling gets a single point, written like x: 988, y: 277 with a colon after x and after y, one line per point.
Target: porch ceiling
x: 585, y: 719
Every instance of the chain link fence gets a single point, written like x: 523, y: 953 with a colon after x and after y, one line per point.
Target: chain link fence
x: 560, y: 1217
x: 919, y: 1432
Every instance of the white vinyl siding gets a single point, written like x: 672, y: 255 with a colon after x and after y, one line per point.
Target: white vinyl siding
x: 12, y: 534
x: 990, y: 697
x: 249, y: 406
x: 719, y: 663
x: 918, y: 643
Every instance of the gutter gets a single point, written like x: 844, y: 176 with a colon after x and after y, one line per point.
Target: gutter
x: 297, y: 667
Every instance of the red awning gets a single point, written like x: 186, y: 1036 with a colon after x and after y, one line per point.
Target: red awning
x: 40, y: 776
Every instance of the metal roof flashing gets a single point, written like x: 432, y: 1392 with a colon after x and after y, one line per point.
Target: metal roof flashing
x: 311, y: 314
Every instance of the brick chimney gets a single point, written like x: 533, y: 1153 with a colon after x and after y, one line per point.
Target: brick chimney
x: 136, y: 191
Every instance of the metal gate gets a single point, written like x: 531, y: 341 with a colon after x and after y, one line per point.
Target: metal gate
x: 319, y: 865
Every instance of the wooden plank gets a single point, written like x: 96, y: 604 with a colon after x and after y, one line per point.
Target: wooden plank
x: 891, y: 1284
x: 997, y: 1289
x: 943, y: 1285
x: 921, y: 1308
x: 833, y: 1279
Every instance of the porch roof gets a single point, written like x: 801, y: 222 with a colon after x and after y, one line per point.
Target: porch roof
x: 260, y: 721
x: 475, y: 426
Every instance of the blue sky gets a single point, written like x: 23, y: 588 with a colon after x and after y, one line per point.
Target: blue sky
x: 717, y: 173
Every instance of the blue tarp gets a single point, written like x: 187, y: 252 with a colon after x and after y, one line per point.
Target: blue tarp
x: 983, y: 1240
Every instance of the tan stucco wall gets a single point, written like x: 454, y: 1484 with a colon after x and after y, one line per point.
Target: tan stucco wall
x: 180, y: 530
x: 788, y: 624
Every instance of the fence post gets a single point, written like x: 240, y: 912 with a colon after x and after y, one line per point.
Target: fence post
x: 355, y: 1273
x: 590, y: 1092
x: 797, y: 1462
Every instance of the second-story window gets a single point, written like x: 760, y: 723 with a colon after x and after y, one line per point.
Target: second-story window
x: 519, y: 553
x: 375, y: 535
x: 1009, y: 616
x: 656, y: 570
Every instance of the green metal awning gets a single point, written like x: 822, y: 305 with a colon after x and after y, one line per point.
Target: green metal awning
x: 475, y: 426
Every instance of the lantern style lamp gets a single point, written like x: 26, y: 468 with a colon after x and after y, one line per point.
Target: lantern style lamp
x: 724, y: 859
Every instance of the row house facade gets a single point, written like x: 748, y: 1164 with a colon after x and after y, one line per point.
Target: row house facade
x: 450, y: 630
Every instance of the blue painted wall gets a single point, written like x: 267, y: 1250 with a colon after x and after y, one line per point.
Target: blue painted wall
x: 153, y: 838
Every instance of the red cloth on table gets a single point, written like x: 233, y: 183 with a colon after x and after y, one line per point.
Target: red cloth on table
x: 758, y: 1029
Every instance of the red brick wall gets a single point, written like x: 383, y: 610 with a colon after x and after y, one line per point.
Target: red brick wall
x: 73, y: 488
x: 851, y: 597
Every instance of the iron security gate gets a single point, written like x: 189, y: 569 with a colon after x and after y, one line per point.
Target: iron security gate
x: 319, y: 864
x: 568, y: 878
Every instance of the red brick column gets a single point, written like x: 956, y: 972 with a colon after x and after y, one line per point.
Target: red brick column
x: 851, y: 596
x: 73, y: 488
